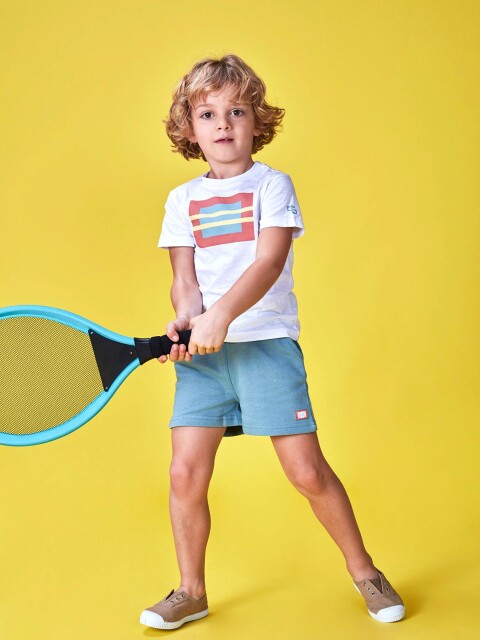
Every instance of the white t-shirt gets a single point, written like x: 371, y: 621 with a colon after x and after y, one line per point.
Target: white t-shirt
x: 221, y: 219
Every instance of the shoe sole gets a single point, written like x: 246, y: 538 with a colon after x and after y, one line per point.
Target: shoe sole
x: 151, y: 619
x: 389, y: 614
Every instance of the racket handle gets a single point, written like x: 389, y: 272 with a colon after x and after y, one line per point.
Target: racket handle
x: 149, y: 348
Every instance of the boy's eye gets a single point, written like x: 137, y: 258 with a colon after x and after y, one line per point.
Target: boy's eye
x: 208, y: 115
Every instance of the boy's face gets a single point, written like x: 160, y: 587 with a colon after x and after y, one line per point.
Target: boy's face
x: 224, y: 129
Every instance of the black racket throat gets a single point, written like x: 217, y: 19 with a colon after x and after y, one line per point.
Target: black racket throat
x: 113, y: 357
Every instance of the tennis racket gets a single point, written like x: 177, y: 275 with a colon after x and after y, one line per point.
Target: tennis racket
x: 58, y: 370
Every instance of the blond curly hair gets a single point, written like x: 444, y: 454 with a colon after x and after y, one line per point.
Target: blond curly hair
x: 208, y: 76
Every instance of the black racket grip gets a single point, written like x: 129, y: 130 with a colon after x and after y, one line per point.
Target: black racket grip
x: 161, y: 345
x: 149, y: 348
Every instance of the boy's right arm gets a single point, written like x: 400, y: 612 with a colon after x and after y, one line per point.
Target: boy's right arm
x: 186, y: 299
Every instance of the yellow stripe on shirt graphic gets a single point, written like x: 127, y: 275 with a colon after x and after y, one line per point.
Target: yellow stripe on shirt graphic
x: 215, y: 214
x: 221, y: 223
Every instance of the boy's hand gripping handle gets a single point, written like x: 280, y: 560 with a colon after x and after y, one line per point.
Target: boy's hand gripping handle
x: 149, y: 348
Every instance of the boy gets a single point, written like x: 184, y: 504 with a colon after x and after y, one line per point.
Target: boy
x: 230, y: 234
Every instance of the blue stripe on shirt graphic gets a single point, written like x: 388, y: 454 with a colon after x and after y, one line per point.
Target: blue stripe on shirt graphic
x: 223, y: 229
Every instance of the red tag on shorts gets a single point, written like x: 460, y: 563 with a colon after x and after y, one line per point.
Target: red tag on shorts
x: 301, y: 415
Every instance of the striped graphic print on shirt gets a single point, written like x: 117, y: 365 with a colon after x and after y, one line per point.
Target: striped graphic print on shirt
x: 222, y: 220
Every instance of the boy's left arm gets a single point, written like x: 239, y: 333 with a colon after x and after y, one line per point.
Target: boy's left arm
x: 210, y: 328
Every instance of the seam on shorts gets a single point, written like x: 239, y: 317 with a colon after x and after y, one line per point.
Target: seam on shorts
x: 211, y: 421
x: 275, y: 431
x: 297, y: 344
x: 229, y: 376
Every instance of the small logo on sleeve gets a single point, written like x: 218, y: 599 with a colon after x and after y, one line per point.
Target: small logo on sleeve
x: 301, y: 415
x: 292, y: 209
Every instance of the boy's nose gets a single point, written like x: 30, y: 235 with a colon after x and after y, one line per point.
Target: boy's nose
x: 223, y: 124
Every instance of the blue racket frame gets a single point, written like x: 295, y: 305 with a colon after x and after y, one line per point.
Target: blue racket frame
x: 81, y: 324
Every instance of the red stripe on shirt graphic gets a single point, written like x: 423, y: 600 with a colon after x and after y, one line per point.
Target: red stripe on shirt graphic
x: 222, y: 220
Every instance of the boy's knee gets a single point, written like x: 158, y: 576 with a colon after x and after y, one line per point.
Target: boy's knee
x: 310, y: 481
x: 187, y: 479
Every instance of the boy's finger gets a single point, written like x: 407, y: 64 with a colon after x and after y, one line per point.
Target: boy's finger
x: 181, y: 352
x: 174, y: 352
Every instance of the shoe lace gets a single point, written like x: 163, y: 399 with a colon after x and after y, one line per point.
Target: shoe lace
x: 386, y: 590
x: 177, y: 598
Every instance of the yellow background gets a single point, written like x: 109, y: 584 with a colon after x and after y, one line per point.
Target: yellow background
x: 381, y: 138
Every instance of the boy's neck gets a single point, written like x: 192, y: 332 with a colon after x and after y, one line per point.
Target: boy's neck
x: 221, y: 171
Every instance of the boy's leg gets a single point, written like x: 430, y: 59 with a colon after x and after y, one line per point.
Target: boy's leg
x: 306, y: 468
x: 193, y: 457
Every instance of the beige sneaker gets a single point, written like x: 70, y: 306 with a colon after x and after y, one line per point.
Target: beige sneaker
x: 383, y: 604
x: 174, y: 610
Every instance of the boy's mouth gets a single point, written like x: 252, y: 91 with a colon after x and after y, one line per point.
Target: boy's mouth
x: 224, y: 140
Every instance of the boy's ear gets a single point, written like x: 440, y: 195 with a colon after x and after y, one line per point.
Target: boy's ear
x: 189, y: 135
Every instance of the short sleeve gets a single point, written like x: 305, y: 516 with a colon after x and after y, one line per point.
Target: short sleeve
x: 279, y: 205
x: 176, y: 226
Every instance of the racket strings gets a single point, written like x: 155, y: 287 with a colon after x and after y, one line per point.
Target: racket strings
x: 48, y: 374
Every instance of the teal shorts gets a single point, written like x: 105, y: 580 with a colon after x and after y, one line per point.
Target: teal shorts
x: 258, y: 388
